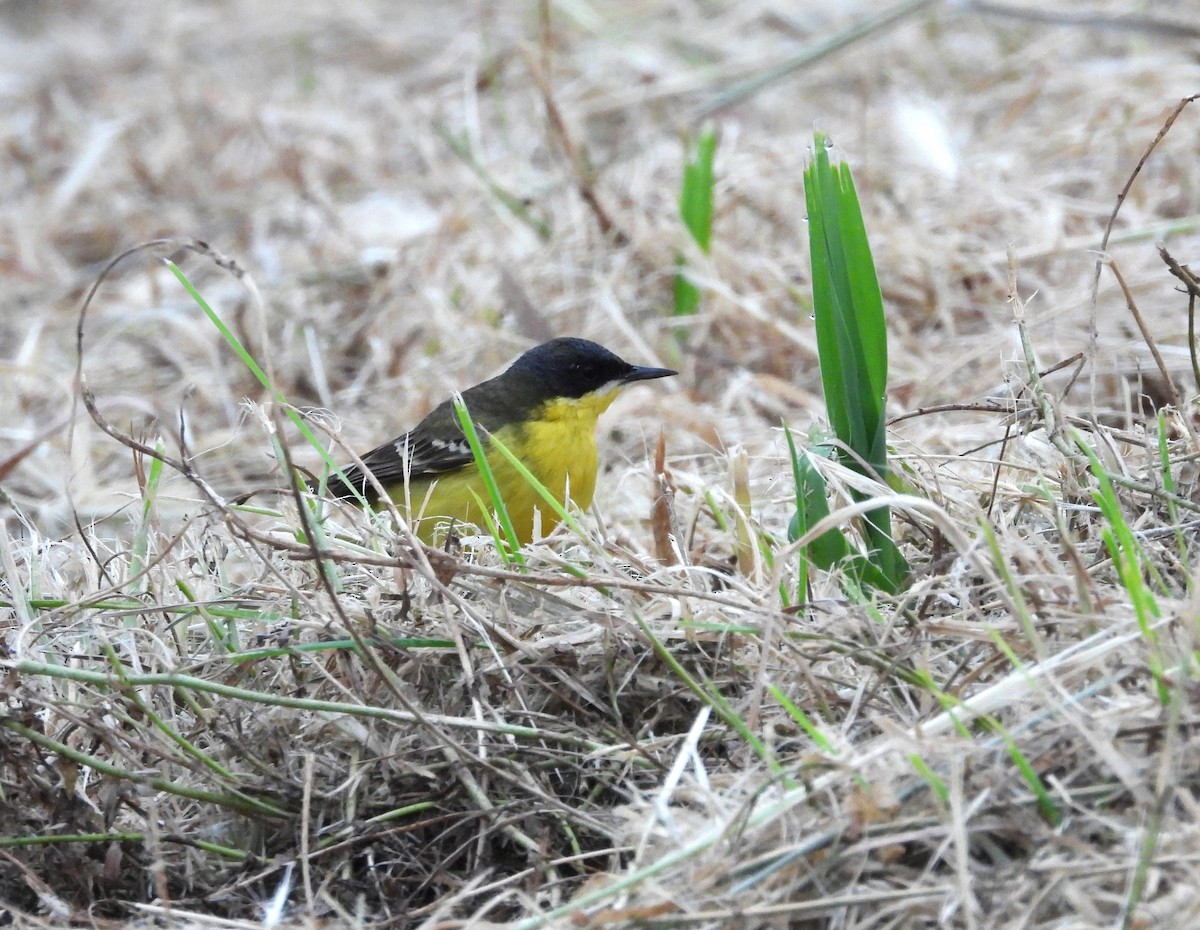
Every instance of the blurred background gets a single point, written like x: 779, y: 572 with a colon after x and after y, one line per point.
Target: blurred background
x: 421, y: 191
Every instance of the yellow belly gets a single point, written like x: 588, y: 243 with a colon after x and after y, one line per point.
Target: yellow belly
x: 559, y: 449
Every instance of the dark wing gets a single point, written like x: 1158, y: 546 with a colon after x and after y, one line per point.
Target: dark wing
x: 437, y: 445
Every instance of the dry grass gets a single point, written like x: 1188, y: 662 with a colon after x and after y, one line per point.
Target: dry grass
x: 202, y: 725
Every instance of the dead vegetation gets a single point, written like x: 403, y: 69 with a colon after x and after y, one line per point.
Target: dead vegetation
x: 204, y: 724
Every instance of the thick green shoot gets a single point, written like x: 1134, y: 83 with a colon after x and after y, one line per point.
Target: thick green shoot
x: 696, y: 211
x: 852, y: 344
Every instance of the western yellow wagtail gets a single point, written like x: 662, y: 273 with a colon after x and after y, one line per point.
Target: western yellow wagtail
x: 543, y: 408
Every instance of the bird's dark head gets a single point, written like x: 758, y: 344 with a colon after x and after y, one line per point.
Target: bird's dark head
x: 573, y: 368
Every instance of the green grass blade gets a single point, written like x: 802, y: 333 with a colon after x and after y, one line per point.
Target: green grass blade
x: 489, y: 480
x: 140, y: 550
x: 712, y: 696
x: 248, y: 360
x: 564, y: 515
x: 812, y: 506
x: 1130, y: 563
x: 848, y: 305
x: 517, y: 205
x: 1049, y: 810
x: 851, y: 339
x: 696, y: 197
x: 802, y: 720
x: 936, y: 784
x: 696, y: 211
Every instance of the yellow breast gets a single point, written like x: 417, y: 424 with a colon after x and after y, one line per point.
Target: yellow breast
x: 557, y: 445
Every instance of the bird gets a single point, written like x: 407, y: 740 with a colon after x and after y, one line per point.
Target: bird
x: 544, y: 408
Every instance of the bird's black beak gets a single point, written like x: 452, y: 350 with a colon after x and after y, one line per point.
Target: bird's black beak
x: 645, y: 373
